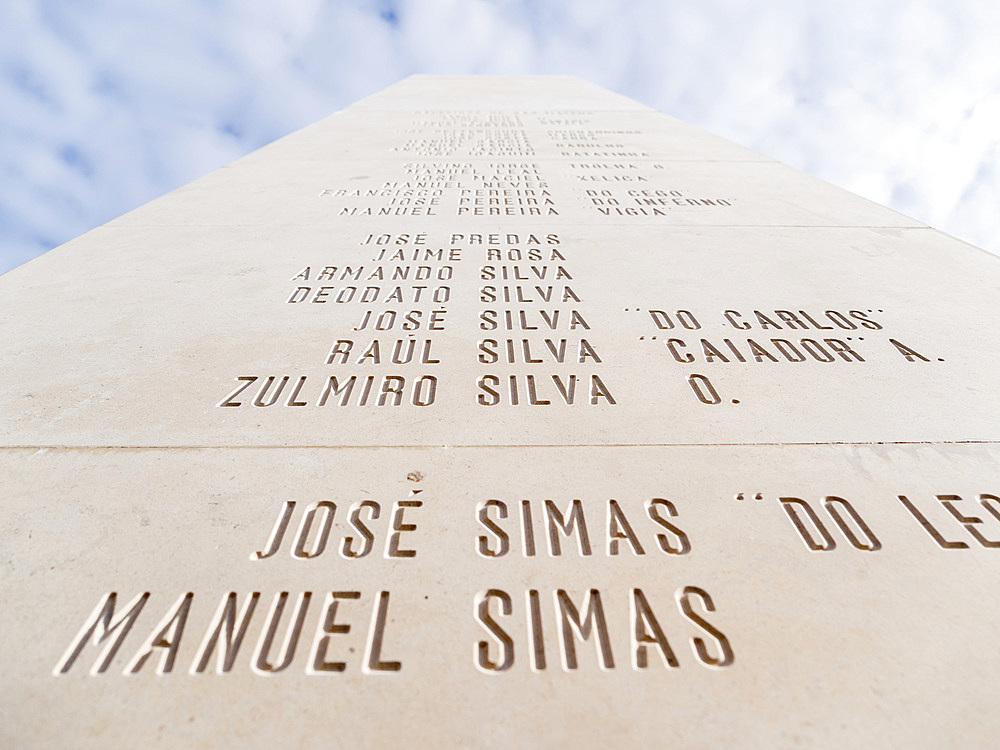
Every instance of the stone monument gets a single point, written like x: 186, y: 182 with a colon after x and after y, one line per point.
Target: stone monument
x: 499, y: 412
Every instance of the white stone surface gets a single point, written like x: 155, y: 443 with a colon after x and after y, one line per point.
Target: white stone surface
x: 122, y: 469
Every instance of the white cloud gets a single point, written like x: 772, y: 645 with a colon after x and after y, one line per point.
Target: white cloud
x: 110, y: 103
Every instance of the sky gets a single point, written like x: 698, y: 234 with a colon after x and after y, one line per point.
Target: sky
x: 107, y: 104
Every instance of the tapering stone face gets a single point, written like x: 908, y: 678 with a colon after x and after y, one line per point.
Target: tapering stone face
x: 499, y: 412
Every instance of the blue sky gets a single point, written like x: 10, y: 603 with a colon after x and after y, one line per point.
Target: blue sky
x: 107, y: 104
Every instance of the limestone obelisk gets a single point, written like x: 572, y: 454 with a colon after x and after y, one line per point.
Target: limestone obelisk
x: 499, y: 412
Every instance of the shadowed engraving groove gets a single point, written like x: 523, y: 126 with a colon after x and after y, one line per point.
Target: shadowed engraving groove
x: 167, y: 635
x: 792, y: 507
x: 262, y: 663
x: 376, y: 634
x: 328, y: 627
x: 725, y: 652
x: 224, y: 627
x: 834, y: 505
x: 100, y: 627
x: 557, y: 522
x: 328, y: 509
x: 347, y: 548
x: 571, y: 627
x: 277, y: 533
x: 505, y: 643
x: 646, y: 631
